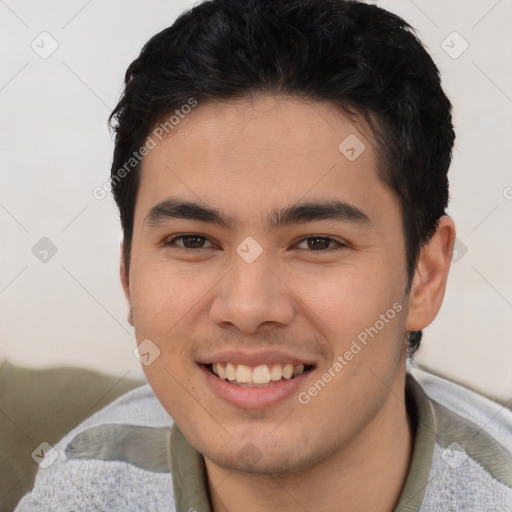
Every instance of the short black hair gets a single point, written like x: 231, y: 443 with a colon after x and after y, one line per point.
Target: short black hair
x: 357, y: 56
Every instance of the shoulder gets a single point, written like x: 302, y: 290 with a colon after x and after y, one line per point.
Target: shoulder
x: 109, y: 461
x: 471, y: 465
x: 139, y: 406
x: 491, y: 417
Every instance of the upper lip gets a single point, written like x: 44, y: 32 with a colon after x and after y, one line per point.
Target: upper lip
x: 254, y: 358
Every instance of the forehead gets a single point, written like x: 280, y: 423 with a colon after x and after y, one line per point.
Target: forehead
x: 267, y: 150
x: 286, y: 126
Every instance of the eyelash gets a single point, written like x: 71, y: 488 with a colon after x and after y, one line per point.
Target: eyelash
x: 321, y: 237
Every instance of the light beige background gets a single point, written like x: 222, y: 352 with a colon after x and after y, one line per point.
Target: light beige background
x: 55, y: 149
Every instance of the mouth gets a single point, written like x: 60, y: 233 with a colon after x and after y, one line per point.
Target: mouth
x: 259, y: 386
x: 259, y: 376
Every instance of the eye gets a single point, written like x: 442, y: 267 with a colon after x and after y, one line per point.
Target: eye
x: 192, y: 241
x: 320, y: 243
x: 316, y: 243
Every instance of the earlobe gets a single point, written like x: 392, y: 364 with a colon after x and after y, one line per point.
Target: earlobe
x: 429, y: 281
x: 125, y: 282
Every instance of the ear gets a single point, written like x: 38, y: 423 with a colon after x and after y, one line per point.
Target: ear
x: 429, y: 281
x: 125, y: 281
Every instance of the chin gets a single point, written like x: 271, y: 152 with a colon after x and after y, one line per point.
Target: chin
x: 263, y: 459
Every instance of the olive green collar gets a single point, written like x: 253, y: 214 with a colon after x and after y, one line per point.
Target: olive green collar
x: 188, y: 475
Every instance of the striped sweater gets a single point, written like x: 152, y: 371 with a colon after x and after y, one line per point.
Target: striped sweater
x: 130, y: 457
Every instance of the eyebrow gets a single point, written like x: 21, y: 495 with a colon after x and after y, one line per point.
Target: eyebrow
x: 302, y: 213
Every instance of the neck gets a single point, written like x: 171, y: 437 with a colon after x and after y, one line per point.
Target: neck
x: 369, y: 474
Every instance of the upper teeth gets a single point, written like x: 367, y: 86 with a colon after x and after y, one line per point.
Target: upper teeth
x: 261, y: 374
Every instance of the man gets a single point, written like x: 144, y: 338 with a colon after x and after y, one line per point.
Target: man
x: 281, y: 173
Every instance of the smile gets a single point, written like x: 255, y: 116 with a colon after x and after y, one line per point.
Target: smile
x: 256, y: 376
x: 255, y: 386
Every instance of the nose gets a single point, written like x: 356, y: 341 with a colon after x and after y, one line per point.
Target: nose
x: 250, y: 296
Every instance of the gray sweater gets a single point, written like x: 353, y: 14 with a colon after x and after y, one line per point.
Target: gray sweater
x: 130, y: 457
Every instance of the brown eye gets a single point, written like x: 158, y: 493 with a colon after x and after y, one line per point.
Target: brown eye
x: 189, y: 241
x: 320, y: 243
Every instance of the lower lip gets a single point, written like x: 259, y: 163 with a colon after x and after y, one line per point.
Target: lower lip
x: 253, y: 398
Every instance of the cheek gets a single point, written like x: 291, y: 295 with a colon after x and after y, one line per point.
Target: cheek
x: 360, y: 314
x: 162, y: 297
x: 162, y: 304
x: 348, y: 297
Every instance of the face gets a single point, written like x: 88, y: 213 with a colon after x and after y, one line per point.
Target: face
x: 277, y: 321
